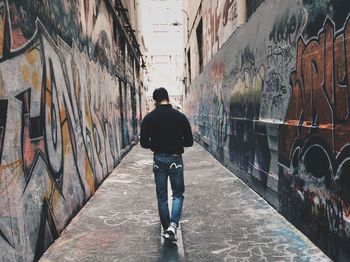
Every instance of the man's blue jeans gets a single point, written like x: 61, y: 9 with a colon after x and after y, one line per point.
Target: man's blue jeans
x: 168, y: 165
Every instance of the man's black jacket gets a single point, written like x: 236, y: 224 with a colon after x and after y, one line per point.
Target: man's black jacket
x: 166, y: 130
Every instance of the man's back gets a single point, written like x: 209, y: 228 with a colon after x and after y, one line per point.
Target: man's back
x: 166, y: 130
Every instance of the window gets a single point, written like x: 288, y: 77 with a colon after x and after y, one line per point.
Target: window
x: 189, y: 65
x: 252, y: 5
x: 199, y: 33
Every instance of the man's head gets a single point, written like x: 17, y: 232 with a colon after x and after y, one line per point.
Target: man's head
x: 160, y: 95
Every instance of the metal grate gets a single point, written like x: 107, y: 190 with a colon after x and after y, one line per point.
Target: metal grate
x: 252, y: 5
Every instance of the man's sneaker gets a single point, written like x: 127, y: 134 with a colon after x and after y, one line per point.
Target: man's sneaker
x: 166, y: 236
x: 171, y: 231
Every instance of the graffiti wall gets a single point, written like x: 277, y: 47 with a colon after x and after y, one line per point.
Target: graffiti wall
x: 67, y: 112
x: 273, y: 105
x: 220, y: 19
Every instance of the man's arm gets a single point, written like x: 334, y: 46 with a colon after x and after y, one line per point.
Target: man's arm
x: 188, y: 138
x: 145, y: 134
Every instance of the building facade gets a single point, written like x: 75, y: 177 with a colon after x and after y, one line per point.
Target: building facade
x: 267, y: 93
x: 162, y: 28
x: 71, y: 101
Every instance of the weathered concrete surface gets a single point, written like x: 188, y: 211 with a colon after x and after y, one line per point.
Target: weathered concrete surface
x: 222, y: 219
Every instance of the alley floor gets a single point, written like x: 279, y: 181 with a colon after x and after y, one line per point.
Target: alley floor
x: 223, y: 219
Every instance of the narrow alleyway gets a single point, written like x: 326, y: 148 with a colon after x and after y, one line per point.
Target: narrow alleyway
x: 223, y: 219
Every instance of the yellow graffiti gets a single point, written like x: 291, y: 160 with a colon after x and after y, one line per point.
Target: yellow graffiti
x: 30, y: 69
x: 32, y: 56
x: 67, y: 148
x: 25, y: 73
x: 249, y: 84
x: 89, y: 176
x: 35, y: 80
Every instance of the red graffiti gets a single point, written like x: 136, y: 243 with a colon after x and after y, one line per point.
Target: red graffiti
x: 314, y: 138
x: 320, y: 90
x: 215, y: 18
x: 217, y: 71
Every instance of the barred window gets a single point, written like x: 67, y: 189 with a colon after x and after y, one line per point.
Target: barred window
x: 252, y: 5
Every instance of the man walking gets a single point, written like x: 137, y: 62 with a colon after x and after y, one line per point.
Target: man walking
x: 166, y: 132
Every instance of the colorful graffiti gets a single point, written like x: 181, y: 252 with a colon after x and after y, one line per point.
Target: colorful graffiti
x: 314, y: 138
x: 63, y: 124
x: 284, y: 87
x: 248, y: 139
x: 220, y: 18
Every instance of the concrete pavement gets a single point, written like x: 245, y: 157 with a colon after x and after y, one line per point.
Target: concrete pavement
x: 223, y: 219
